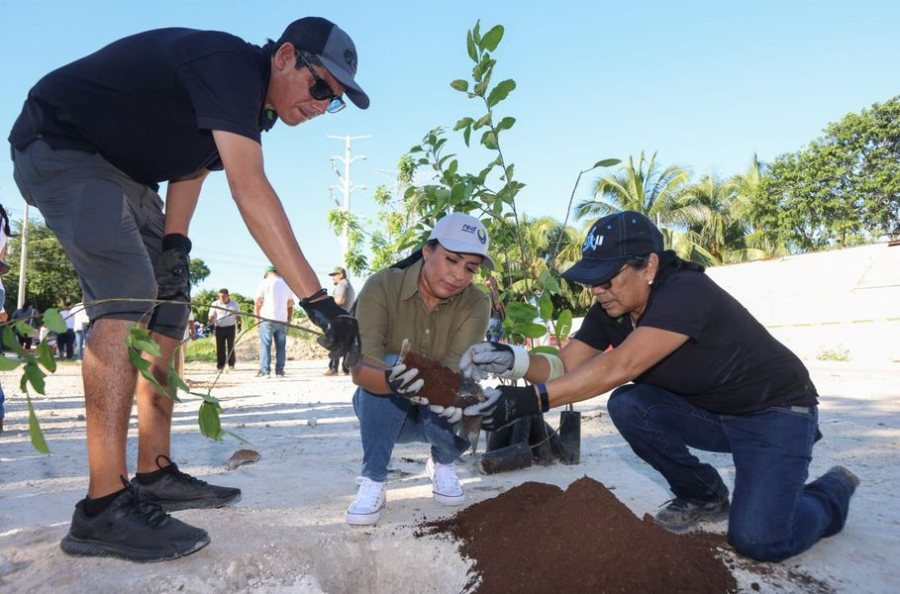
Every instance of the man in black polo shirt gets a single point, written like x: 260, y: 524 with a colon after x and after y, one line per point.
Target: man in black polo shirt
x: 94, y: 140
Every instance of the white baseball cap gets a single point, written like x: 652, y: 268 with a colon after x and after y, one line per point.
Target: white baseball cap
x: 464, y: 234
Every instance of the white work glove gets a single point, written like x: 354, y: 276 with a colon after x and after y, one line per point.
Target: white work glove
x: 453, y: 414
x: 402, y: 382
x: 483, y: 359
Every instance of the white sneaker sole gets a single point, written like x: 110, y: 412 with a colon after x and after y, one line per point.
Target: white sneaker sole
x: 367, y: 519
x: 449, y: 499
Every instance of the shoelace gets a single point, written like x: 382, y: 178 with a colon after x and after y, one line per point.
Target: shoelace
x: 173, y: 468
x: 445, y: 479
x: 676, y: 504
x: 151, y: 512
x: 369, y: 491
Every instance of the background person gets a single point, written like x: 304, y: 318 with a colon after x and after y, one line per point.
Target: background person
x: 94, y: 140
x: 65, y: 342
x: 274, y: 302
x: 433, y: 303
x: 345, y: 296
x: 706, y: 375
x: 82, y: 328
x: 223, y: 314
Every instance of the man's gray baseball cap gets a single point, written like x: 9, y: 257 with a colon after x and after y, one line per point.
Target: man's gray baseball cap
x: 333, y: 47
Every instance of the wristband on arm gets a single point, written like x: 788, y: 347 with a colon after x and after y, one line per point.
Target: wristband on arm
x: 521, y: 362
x: 544, y: 397
x: 556, y: 366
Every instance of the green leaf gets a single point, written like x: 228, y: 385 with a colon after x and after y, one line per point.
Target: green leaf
x: 467, y: 133
x: 501, y: 92
x: 460, y: 85
x: 54, y: 321
x: 174, y: 380
x: 23, y: 327
x: 483, y: 121
x: 45, y: 356
x: 606, y: 163
x: 492, y: 38
x: 476, y: 32
x: 34, y: 376
x: 506, y: 123
x: 208, y: 419
x: 7, y: 364
x: 547, y: 350
x: 545, y: 305
x: 470, y: 47
x: 531, y: 330
x: 521, y: 312
x: 548, y: 282
x: 463, y: 123
x: 34, y: 429
x: 563, y: 325
x: 489, y: 140
x: 11, y: 341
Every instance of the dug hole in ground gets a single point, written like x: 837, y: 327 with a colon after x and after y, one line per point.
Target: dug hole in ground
x: 288, y: 533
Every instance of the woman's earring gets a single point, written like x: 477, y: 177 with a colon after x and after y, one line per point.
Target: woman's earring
x: 650, y: 282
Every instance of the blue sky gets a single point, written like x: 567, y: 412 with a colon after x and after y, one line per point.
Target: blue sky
x: 705, y: 84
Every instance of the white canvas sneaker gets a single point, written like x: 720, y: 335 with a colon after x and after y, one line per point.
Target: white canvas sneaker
x: 366, y: 508
x: 446, y: 487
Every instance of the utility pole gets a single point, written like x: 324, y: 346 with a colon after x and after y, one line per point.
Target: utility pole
x: 346, y: 185
x: 23, y: 259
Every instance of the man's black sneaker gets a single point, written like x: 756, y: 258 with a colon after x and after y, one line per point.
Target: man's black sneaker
x: 680, y: 515
x: 175, y: 490
x: 132, y: 529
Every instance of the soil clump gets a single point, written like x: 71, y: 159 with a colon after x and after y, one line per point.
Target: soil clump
x: 442, y: 384
x: 539, y: 538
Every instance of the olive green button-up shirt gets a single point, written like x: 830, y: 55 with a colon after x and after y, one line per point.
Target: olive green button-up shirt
x: 389, y: 309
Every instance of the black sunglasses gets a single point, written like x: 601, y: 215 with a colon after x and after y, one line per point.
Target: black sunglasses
x: 321, y: 90
x: 607, y: 285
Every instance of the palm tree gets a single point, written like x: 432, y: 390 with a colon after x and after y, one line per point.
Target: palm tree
x: 647, y: 189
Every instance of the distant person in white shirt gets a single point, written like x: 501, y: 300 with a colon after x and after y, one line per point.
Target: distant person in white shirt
x: 275, y: 303
x: 223, y: 313
x: 82, y: 326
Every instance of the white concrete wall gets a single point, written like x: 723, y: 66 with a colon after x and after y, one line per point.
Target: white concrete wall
x: 843, y: 300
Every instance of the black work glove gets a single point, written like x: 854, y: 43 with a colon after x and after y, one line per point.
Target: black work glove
x: 173, y: 269
x: 504, y: 405
x: 341, y: 331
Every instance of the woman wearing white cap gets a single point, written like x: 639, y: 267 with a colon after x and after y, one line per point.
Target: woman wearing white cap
x: 698, y: 371
x: 431, y: 302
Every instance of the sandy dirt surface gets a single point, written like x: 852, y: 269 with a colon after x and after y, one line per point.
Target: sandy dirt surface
x: 288, y: 533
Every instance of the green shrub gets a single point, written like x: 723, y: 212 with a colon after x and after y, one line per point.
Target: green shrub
x: 202, y: 349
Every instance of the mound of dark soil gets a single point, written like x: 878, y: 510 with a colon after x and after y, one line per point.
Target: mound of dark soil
x: 539, y: 538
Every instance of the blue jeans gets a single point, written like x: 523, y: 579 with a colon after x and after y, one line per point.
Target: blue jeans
x: 79, y: 344
x: 268, y: 331
x: 774, y: 515
x: 386, y: 420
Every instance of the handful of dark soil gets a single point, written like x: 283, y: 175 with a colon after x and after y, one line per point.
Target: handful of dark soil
x: 443, y: 386
x: 539, y: 538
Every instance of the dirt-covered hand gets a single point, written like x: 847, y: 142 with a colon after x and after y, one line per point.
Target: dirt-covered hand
x: 453, y: 414
x: 402, y: 382
x: 483, y: 359
x: 173, y: 269
x: 504, y: 405
x: 340, y: 329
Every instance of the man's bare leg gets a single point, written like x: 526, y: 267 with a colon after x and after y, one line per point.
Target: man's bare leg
x: 109, y: 382
x: 154, y: 409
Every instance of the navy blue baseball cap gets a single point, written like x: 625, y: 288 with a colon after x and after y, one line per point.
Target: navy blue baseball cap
x: 609, y: 244
x: 333, y: 47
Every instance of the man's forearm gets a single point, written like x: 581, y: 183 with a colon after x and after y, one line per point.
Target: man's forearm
x: 181, y: 202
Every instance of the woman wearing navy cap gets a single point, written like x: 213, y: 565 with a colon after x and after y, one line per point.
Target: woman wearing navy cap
x: 691, y: 367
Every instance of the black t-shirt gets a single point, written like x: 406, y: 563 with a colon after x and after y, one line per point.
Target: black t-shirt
x: 730, y: 363
x: 149, y: 102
